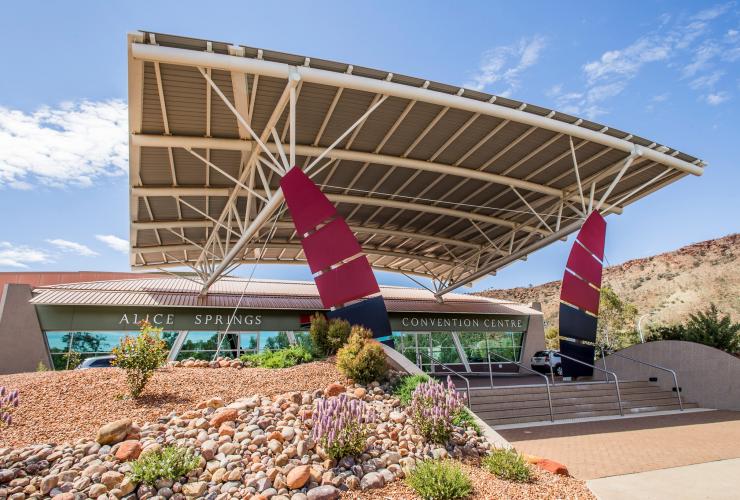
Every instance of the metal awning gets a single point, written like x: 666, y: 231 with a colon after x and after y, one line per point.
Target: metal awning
x: 435, y: 180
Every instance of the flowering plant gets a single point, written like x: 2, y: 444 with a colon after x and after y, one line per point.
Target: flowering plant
x: 433, y: 407
x: 8, y: 403
x: 140, y: 356
x: 340, y: 425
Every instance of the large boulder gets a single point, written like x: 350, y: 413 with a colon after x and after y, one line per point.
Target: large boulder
x: 298, y: 476
x: 334, y: 389
x: 326, y: 492
x: 114, y: 432
x: 224, y: 415
x: 128, y: 450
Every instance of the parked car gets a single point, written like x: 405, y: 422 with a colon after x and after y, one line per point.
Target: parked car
x: 96, y: 362
x: 543, y: 360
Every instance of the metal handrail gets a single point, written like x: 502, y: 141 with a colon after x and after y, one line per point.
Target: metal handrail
x: 520, y: 365
x: 616, y: 379
x: 675, y: 378
x: 435, y: 360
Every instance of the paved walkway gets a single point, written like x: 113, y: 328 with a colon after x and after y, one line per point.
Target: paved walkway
x: 630, y: 445
x: 713, y: 480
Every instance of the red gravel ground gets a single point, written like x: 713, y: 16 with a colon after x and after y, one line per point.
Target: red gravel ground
x: 64, y: 406
x: 487, y: 486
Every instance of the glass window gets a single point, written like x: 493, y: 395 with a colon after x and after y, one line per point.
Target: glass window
x: 248, y: 342
x: 444, y: 349
x: 502, y: 346
x: 303, y: 339
x: 89, y: 344
x: 273, y: 341
x: 405, y: 343
x: 58, y: 341
x: 474, y: 345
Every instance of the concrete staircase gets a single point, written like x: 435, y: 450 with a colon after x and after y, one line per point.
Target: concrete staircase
x: 518, y: 404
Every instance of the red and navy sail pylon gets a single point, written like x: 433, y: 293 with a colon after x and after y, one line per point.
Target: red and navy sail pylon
x: 580, y: 294
x: 341, y: 271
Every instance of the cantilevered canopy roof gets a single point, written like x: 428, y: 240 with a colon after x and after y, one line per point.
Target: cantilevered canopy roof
x: 435, y: 180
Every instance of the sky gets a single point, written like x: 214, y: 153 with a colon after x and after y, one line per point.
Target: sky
x: 666, y: 70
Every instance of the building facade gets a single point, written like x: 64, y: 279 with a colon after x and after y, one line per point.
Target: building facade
x: 63, y: 323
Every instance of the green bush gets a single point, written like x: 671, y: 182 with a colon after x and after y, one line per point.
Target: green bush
x: 435, y: 480
x: 465, y: 419
x: 405, y: 388
x: 139, y: 356
x: 328, y: 336
x: 362, y: 359
x: 282, y: 358
x: 171, y: 462
x: 508, y: 464
x: 704, y: 327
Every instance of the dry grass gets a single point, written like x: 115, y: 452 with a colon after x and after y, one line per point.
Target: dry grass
x: 64, y: 406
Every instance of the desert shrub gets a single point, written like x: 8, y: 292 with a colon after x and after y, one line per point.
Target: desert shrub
x: 705, y: 327
x: 327, y: 336
x: 341, y: 425
x: 140, y: 356
x: 507, y: 464
x: 171, y: 462
x: 9, y: 401
x: 282, y: 358
x: 433, y: 406
x: 437, y: 480
x: 464, y: 418
x: 362, y: 359
x: 405, y: 387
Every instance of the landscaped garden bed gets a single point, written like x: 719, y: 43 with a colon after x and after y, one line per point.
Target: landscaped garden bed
x: 290, y: 429
x: 68, y: 405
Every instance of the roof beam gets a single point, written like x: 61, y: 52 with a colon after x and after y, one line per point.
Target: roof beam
x: 204, y: 223
x: 343, y: 198
x: 374, y: 158
x: 296, y: 246
x: 188, y: 57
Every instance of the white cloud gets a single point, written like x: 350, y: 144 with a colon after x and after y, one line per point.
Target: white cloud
x: 70, y: 145
x: 706, y: 81
x: 504, y: 65
x: 661, y: 97
x: 20, y: 256
x: 717, y: 98
x: 625, y: 63
x: 73, y: 247
x: 713, y: 12
x: 116, y: 243
x: 693, y: 46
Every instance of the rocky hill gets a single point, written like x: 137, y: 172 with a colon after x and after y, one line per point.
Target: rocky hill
x: 670, y: 285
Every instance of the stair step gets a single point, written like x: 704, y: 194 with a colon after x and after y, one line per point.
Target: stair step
x: 530, y: 395
x: 541, y: 401
x: 565, y: 387
x: 493, y: 422
x: 578, y: 407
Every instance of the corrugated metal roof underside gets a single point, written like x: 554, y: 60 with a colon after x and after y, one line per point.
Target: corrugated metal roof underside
x: 398, y: 128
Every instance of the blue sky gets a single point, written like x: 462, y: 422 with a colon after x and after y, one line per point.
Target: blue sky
x: 666, y: 70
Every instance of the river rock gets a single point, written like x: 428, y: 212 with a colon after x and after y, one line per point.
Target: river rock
x: 114, y: 432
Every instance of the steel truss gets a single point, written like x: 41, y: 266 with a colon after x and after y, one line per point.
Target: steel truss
x: 237, y: 233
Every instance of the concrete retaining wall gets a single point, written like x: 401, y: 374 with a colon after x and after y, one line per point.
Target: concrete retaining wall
x: 707, y: 376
